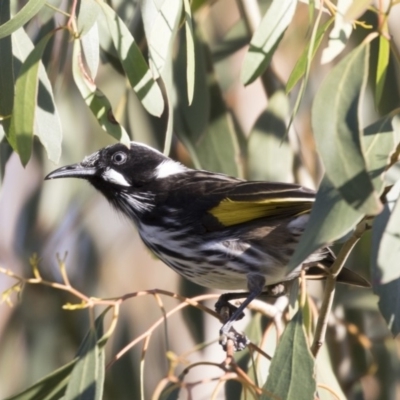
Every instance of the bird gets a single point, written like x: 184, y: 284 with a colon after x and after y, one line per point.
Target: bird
x: 218, y: 231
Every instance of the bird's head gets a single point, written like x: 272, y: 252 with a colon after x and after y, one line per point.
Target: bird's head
x: 118, y: 165
x: 123, y: 174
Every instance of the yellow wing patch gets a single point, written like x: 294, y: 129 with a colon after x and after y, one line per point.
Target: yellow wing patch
x: 230, y: 212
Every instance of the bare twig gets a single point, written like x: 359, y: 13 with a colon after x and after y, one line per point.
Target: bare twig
x: 320, y: 330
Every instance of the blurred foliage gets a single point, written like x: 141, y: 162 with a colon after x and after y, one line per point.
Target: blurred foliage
x: 322, y: 106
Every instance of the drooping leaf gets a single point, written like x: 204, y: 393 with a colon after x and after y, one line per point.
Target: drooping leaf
x: 301, y: 65
x: 87, y: 377
x: 266, y: 39
x: 91, y: 50
x: 291, y: 374
x: 384, y: 260
x: 379, y: 143
x: 6, y: 73
x: 160, y: 19
x: 269, y: 154
x: 133, y: 63
x: 25, y: 102
x: 331, y: 218
x: 87, y: 16
x: 389, y: 249
x: 190, y: 56
x: 336, y: 128
x: 53, y: 386
x: 381, y: 69
x: 95, y: 99
x: 31, y: 8
x: 47, y: 124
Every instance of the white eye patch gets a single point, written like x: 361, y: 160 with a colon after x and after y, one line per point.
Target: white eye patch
x: 113, y: 176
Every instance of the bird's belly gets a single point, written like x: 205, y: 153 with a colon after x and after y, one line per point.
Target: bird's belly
x: 214, y: 263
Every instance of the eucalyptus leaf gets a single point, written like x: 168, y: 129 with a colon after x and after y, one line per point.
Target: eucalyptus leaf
x: 95, y: 99
x: 87, y: 377
x: 300, y: 68
x: 47, y: 123
x: 331, y: 218
x: 25, y: 102
x: 382, y: 67
x: 133, y: 63
x: 270, y: 156
x: 190, y: 55
x: 291, y: 374
x: 6, y: 73
x: 87, y: 16
x: 31, y: 8
x: 337, y: 131
x: 266, y: 38
x: 384, y: 260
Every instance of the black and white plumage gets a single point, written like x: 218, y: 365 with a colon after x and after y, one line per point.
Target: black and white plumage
x: 215, y: 230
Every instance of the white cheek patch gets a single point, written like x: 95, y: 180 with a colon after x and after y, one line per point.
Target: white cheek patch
x: 168, y: 168
x: 111, y: 175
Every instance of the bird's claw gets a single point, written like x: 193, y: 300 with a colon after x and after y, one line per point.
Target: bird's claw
x: 240, y: 341
x: 226, y: 310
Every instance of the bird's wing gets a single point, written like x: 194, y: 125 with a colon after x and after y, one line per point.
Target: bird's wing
x: 248, y: 201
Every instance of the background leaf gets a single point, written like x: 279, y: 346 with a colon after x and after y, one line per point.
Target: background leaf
x: 337, y: 131
x: 266, y: 39
x: 291, y: 375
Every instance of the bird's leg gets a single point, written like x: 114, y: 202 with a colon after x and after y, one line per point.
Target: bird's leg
x: 222, y: 306
x: 256, y: 285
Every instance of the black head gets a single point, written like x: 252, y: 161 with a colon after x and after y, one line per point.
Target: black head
x: 118, y: 165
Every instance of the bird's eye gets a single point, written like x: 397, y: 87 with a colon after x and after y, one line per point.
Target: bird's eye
x: 119, y: 158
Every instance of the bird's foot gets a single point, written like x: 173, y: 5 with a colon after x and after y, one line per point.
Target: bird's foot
x: 226, y: 309
x: 239, y: 340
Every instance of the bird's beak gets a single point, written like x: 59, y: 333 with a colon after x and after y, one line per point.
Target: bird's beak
x: 72, y: 171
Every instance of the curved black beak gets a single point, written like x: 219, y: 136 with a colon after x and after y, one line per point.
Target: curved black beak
x: 72, y: 171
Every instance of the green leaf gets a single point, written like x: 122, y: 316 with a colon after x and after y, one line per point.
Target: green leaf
x: 301, y: 65
x: 133, y: 63
x: 6, y: 73
x: 291, y: 374
x: 336, y: 128
x: 339, y: 34
x: 91, y: 50
x: 266, y: 38
x: 190, y: 58
x: 95, y: 99
x: 25, y: 102
x: 379, y: 142
x: 206, y: 128
x: 384, y: 260
x: 382, y: 67
x: 331, y: 218
x: 87, y: 377
x: 47, y: 125
x: 31, y: 8
x: 160, y: 20
x: 87, y: 16
x: 269, y: 154
x: 161, y: 26
x: 52, y: 387
x: 389, y: 249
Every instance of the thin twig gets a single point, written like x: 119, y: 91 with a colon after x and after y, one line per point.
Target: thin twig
x: 320, y: 330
